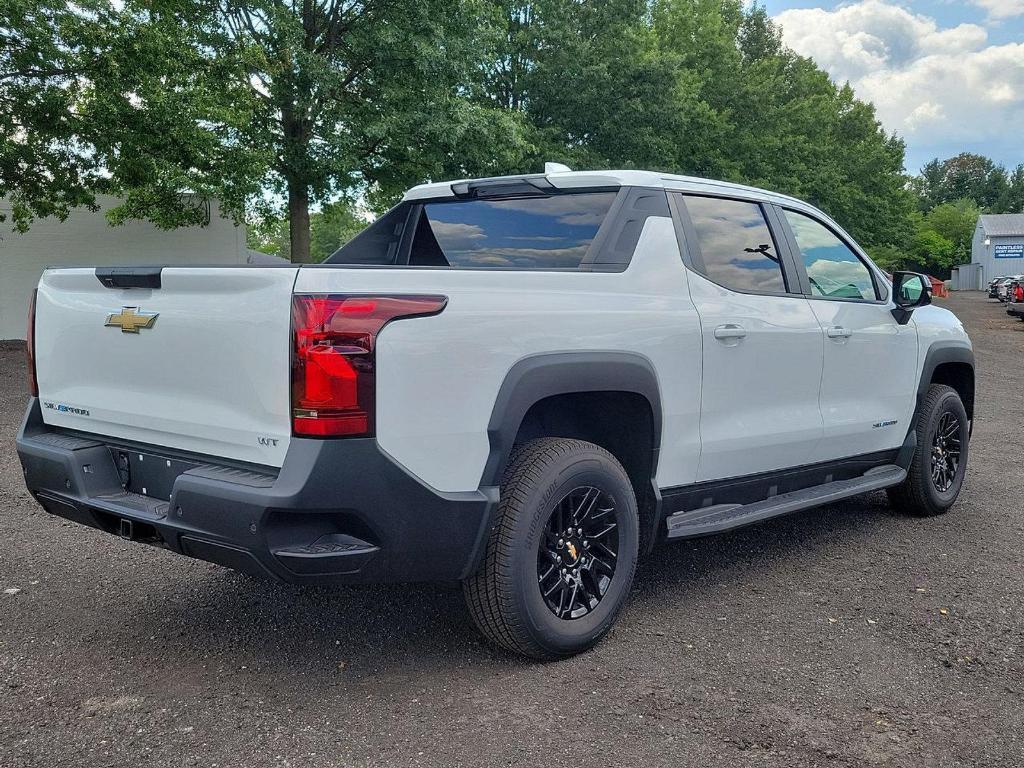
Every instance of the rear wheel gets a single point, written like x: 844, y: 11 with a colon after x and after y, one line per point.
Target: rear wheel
x: 560, y: 558
x: 937, y: 472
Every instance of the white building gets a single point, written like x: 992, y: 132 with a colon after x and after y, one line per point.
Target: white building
x: 996, y: 250
x: 85, y: 239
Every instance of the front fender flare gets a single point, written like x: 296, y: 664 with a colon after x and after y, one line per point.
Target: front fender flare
x: 939, y: 353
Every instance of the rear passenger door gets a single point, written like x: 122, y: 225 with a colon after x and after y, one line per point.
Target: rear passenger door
x: 870, y: 363
x: 761, y: 343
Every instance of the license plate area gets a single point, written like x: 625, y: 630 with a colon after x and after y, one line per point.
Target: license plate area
x: 148, y: 474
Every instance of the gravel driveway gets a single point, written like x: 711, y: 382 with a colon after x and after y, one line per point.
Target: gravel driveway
x: 842, y: 636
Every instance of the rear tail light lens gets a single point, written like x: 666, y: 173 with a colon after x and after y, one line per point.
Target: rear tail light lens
x: 30, y: 346
x: 333, y: 358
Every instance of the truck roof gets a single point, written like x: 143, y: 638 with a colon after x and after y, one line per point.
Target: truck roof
x: 619, y: 178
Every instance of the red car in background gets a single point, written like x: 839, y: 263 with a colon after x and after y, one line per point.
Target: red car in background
x: 1015, y: 298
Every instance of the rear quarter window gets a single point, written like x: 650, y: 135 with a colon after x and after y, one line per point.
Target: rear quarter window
x: 526, y: 233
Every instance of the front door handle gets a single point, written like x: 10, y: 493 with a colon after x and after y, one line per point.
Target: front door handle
x: 730, y: 332
x: 838, y: 332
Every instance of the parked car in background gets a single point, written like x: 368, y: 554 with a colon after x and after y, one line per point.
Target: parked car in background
x: 1003, y: 289
x: 1015, y: 299
x: 993, y: 286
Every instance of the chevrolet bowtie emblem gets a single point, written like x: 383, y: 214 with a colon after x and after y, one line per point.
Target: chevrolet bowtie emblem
x: 130, y: 319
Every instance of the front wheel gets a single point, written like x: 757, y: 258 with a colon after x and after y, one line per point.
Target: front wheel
x: 560, y: 557
x: 936, y: 474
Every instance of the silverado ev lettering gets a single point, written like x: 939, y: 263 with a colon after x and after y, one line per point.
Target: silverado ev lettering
x: 520, y: 383
x: 65, y: 409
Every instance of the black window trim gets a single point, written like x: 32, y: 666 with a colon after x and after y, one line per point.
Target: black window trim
x: 881, y: 292
x: 689, y: 245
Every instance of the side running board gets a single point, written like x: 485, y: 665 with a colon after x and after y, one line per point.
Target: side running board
x: 725, y: 517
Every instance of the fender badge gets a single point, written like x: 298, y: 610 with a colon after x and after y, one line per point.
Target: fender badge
x: 131, y: 319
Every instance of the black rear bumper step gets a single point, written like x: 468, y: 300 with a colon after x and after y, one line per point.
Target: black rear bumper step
x: 726, y: 517
x: 344, y: 553
x: 339, y: 511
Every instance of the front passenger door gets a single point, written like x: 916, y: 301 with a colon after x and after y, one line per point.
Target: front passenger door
x: 870, y: 362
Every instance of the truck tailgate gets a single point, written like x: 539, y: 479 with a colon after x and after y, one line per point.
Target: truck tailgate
x: 200, y: 364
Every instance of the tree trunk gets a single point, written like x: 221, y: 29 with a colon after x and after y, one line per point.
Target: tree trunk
x: 298, y: 222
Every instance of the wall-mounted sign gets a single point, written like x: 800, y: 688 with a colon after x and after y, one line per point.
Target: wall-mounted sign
x: 1010, y: 251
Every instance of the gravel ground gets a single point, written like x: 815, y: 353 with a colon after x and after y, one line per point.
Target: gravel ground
x: 843, y: 636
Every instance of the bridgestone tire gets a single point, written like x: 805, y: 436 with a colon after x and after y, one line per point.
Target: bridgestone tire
x: 504, y: 597
x: 917, y: 495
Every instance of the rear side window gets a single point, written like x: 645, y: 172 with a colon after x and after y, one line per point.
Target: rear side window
x: 735, y: 245
x: 551, y: 232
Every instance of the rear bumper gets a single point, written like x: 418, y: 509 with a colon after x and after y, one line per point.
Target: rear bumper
x: 338, y: 511
x: 1015, y: 308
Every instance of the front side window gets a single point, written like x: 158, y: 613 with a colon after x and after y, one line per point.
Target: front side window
x: 735, y: 244
x: 834, y: 270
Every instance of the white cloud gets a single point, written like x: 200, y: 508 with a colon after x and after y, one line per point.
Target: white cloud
x: 1001, y: 9
x: 454, y: 234
x: 933, y: 86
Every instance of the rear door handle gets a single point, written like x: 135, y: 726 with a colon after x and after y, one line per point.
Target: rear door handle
x: 730, y: 331
x: 838, y: 332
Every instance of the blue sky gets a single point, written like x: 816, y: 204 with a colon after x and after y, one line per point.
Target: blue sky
x: 945, y: 75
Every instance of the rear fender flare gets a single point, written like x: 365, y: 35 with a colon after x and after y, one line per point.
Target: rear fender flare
x: 540, y: 376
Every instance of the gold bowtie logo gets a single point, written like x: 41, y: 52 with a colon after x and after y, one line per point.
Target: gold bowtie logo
x: 572, y: 550
x: 130, y: 319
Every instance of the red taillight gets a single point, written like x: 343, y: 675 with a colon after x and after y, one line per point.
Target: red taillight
x: 30, y: 346
x: 333, y: 358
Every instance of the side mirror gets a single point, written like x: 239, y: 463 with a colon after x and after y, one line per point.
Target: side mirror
x: 910, y: 290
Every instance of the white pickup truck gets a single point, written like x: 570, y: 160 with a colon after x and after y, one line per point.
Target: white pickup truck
x: 521, y: 383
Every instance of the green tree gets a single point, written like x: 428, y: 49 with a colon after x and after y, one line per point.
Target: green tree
x: 264, y: 104
x: 889, y: 257
x: 941, y: 238
x: 1014, y: 201
x: 931, y: 249
x: 45, y: 49
x: 701, y: 87
x: 955, y: 222
x: 268, y: 234
x: 279, y: 108
x: 966, y: 176
x: 330, y: 228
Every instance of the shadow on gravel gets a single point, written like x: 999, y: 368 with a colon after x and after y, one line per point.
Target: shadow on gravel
x: 761, y: 547
x: 415, y: 629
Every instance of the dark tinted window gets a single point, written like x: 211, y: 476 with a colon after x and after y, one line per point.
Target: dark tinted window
x: 522, y: 233
x: 833, y: 268
x: 736, y: 245
x: 552, y: 232
x: 378, y: 243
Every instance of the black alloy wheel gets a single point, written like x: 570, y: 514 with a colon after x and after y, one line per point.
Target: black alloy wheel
x: 946, y: 452
x: 562, y: 552
x: 939, y: 463
x: 577, y: 555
